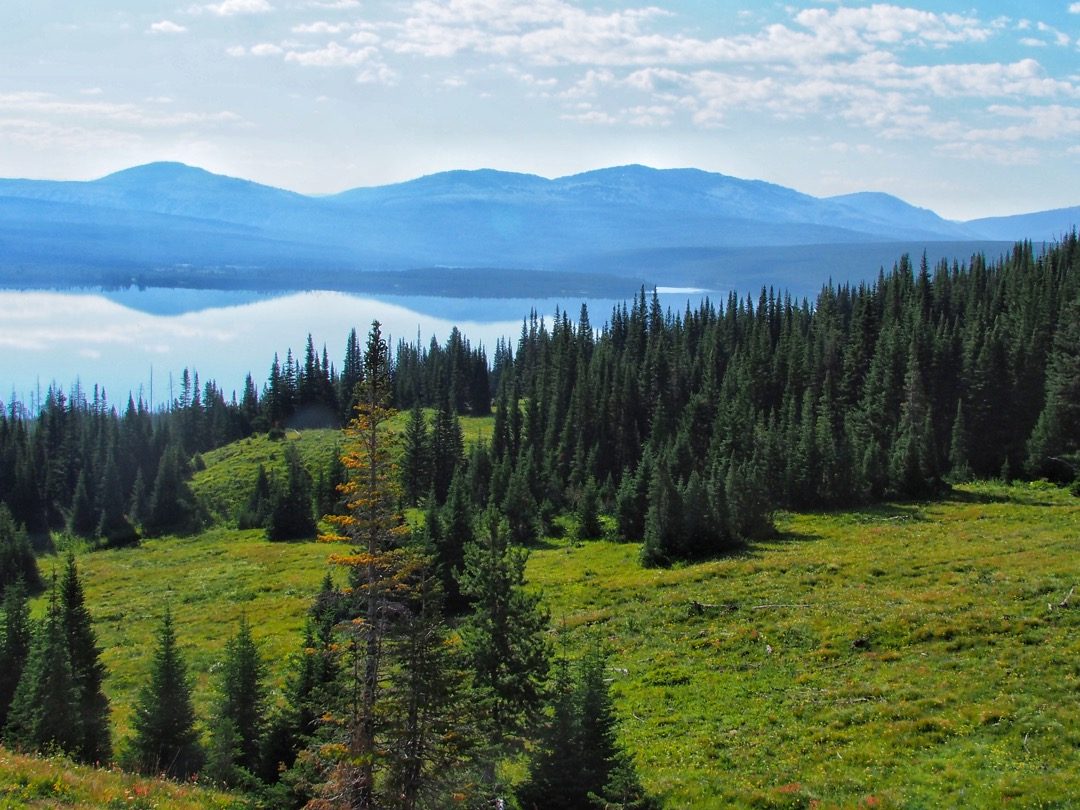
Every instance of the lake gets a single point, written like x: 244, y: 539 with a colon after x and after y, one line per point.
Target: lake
x: 137, y: 340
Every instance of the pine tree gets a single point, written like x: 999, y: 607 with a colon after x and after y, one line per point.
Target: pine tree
x: 113, y: 527
x: 503, y: 636
x: 171, y: 506
x: 44, y: 711
x: 241, y: 698
x: 14, y: 644
x: 291, y: 515
x: 519, y: 508
x: 415, y: 459
x: 588, y: 511
x: 95, y: 745
x: 83, y: 519
x: 17, y: 562
x: 165, y: 740
x: 456, y: 524
x: 256, y: 512
x: 1054, y: 447
x: 379, y: 572
x: 959, y: 468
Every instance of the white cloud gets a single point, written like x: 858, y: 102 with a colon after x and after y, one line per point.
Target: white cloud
x: 166, y: 27
x: 231, y: 8
x: 45, y: 106
x: 333, y: 55
x: 334, y: 5
x: 265, y: 49
x: 91, y: 91
x: 321, y: 28
x: 1074, y: 8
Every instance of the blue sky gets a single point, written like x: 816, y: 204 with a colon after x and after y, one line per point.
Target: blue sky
x: 969, y: 109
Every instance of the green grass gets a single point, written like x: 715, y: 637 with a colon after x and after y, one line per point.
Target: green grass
x: 901, y: 656
x: 36, y: 783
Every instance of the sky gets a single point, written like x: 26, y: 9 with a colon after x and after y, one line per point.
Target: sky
x: 971, y: 109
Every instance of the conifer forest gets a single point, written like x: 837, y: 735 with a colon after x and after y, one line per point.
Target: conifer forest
x: 429, y: 673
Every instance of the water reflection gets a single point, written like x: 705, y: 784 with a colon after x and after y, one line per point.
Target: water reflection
x: 132, y: 341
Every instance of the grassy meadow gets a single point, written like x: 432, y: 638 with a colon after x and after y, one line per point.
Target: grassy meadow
x: 907, y: 655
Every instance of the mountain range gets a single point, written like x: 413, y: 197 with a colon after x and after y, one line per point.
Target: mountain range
x: 473, y: 232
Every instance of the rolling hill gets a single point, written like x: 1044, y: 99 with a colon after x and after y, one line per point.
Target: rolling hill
x: 167, y: 224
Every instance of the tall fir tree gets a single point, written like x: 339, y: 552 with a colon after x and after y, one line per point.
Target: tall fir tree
x: 44, y: 712
x: 14, y: 644
x: 95, y: 744
x: 165, y: 739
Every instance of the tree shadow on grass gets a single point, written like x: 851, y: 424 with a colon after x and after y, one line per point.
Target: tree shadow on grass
x: 1032, y: 497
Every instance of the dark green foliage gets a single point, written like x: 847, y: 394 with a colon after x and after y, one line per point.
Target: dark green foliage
x: 44, y: 712
x: 241, y: 698
x: 520, y: 509
x: 415, y: 458
x: 455, y: 533
x: 504, y: 635
x: 1054, y: 447
x: 328, y: 499
x: 83, y: 521
x: 588, y: 510
x: 447, y: 448
x: 17, y: 562
x: 165, y: 740
x: 113, y: 527
x: 171, y: 507
x: 88, y: 673
x: 256, y: 512
x: 578, y: 763
x: 14, y: 644
x: 291, y: 515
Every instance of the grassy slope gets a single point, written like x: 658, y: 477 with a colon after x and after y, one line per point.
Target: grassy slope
x: 907, y: 656
x: 38, y: 783
x: 905, y: 653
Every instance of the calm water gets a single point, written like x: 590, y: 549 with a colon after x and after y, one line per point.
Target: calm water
x: 125, y: 341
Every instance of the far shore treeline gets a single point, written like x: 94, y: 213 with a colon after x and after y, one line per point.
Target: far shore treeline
x: 689, y: 427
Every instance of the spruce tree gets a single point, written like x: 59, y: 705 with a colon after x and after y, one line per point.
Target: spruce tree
x: 44, y: 711
x: 456, y: 524
x: 415, y: 458
x: 588, y: 510
x: 83, y: 520
x: 171, y: 506
x: 241, y: 698
x: 504, y: 635
x: 17, y: 560
x: 256, y: 512
x: 113, y: 527
x: 14, y: 644
x: 95, y: 745
x: 165, y: 740
x: 291, y: 515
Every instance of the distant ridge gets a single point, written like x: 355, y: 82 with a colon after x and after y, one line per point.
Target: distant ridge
x: 178, y: 225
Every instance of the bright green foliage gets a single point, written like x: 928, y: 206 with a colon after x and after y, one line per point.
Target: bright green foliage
x: 95, y: 743
x: 165, y: 739
x: 44, y: 711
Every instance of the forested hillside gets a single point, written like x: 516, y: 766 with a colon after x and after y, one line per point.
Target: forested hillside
x: 689, y: 426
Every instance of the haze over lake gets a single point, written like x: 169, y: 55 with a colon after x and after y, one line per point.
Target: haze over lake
x: 119, y: 339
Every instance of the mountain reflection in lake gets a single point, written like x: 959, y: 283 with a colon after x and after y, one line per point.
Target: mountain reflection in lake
x: 125, y: 341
